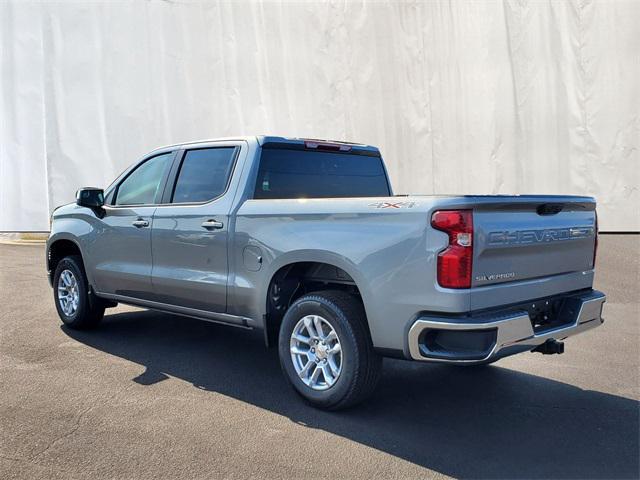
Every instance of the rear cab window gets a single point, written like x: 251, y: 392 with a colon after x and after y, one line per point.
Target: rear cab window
x: 300, y: 173
x: 204, y: 174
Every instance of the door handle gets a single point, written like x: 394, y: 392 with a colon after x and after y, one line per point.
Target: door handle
x: 212, y: 224
x: 140, y: 223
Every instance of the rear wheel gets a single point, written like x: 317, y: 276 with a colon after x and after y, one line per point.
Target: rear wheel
x: 326, y: 351
x: 76, y: 307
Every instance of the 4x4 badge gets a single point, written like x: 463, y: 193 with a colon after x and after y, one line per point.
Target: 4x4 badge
x: 393, y: 204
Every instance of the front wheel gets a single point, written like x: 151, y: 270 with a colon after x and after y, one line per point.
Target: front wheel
x: 77, y: 308
x: 326, y: 351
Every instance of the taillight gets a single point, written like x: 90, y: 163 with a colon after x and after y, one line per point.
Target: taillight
x: 455, y: 261
x: 595, y: 243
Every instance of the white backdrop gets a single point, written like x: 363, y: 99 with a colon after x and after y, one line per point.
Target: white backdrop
x: 462, y: 97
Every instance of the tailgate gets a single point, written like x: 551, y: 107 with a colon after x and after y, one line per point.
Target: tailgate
x: 532, y: 237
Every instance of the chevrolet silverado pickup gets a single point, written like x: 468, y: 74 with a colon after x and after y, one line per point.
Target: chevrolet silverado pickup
x: 304, y: 240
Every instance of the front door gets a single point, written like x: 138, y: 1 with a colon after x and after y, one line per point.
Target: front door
x: 122, y: 247
x: 190, y: 234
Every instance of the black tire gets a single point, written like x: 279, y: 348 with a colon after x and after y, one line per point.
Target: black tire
x: 361, y: 365
x: 90, y: 309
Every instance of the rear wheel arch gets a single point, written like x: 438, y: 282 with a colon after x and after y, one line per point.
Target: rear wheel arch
x: 295, y: 279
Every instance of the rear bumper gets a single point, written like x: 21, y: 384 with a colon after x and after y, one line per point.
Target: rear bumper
x: 485, y: 338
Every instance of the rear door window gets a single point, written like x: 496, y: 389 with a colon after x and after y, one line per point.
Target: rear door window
x: 204, y: 174
x: 308, y: 174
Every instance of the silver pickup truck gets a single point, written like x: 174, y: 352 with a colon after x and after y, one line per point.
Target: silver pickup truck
x: 304, y: 240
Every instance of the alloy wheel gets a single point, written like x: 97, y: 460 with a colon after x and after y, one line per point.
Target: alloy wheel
x: 68, y: 293
x: 316, y: 352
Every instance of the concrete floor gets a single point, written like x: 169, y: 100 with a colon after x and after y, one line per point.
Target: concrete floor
x: 150, y: 395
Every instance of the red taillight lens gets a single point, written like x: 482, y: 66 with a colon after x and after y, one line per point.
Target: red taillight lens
x: 455, y: 262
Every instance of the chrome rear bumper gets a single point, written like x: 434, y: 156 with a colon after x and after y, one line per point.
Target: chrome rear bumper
x: 502, y: 334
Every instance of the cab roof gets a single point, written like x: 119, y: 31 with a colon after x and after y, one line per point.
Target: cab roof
x: 271, y: 141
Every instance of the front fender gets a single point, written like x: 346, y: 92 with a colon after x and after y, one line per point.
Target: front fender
x: 72, y: 229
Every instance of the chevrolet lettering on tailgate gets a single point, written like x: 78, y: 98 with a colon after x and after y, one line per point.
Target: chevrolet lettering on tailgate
x: 522, y: 237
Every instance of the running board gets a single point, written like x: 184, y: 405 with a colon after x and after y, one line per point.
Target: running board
x: 223, y: 318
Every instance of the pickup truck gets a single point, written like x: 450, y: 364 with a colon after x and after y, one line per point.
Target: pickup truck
x: 304, y: 240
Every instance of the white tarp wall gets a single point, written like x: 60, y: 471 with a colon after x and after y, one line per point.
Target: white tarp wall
x: 462, y: 97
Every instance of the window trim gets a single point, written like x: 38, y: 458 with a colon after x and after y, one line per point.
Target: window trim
x: 112, y: 194
x: 252, y: 194
x: 172, y: 182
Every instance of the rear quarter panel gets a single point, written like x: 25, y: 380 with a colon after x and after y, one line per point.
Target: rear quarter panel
x: 385, y: 250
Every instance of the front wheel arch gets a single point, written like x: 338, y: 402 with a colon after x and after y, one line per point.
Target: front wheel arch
x: 58, y: 250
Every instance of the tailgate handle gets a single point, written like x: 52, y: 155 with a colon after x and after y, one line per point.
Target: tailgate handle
x: 549, y: 208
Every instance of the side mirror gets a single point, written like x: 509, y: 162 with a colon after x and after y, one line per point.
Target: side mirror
x: 90, y: 197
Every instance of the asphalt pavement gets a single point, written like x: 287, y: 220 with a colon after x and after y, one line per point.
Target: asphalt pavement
x: 151, y: 395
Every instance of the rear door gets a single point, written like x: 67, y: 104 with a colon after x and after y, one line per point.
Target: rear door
x: 527, y: 238
x: 191, y: 230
